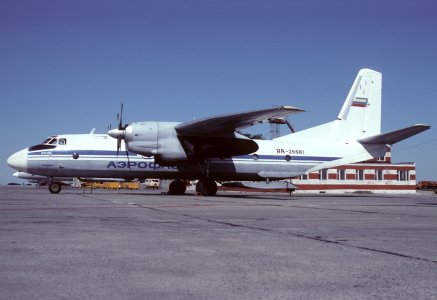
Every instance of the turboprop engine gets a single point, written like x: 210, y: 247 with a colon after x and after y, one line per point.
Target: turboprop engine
x: 158, y: 139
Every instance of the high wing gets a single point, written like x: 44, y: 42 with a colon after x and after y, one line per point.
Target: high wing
x: 233, y: 122
x: 218, y: 137
x: 393, y: 137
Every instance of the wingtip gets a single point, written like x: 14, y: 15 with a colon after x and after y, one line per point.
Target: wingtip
x: 289, y: 107
x: 422, y: 125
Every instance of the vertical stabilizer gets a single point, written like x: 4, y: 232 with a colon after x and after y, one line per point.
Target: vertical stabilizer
x: 361, y: 110
x: 360, y: 116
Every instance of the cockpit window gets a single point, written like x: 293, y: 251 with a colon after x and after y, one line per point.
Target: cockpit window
x: 48, y: 143
x: 62, y: 141
x: 47, y: 140
x: 51, y: 140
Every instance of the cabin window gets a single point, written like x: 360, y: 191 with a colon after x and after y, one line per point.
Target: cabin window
x: 62, y: 142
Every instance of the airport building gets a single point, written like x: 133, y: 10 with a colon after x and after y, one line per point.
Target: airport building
x: 376, y: 176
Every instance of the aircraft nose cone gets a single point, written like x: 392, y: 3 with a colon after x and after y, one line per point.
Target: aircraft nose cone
x: 18, y: 160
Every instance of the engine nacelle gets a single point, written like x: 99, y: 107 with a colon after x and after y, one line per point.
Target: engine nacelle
x: 157, y: 139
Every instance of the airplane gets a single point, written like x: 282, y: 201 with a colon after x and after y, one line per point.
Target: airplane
x: 213, y: 149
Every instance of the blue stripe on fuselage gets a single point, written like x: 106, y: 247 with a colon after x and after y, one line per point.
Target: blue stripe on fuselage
x: 82, y: 152
x: 282, y: 157
x: 107, y: 154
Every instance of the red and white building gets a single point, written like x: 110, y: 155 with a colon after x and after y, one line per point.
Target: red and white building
x: 376, y: 176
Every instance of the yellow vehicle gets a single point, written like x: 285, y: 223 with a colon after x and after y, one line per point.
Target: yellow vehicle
x: 111, y: 185
x: 129, y: 185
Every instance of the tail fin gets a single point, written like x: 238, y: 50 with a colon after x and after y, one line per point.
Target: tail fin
x: 358, y: 126
x: 361, y: 110
x: 360, y: 116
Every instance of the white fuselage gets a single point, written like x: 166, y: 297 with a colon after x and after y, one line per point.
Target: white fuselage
x: 95, y: 155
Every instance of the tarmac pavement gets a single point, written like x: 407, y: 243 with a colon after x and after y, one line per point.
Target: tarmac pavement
x: 144, y: 245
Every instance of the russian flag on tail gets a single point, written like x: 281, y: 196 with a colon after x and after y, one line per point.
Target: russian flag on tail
x: 360, y: 102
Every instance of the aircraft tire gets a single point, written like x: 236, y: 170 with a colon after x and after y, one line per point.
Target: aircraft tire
x: 177, y: 187
x: 55, y: 187
x: 207, y: 187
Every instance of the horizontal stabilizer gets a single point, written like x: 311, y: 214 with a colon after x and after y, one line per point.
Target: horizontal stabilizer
x: 393, y: 137
x: 372, y: 151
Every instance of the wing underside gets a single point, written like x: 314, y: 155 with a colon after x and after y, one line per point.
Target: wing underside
x: 218, y: 136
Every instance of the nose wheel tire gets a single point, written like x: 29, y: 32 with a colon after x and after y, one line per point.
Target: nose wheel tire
x: 207, y: 187
x: 55, y: 187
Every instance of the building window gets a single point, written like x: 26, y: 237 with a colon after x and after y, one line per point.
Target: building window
x: 359, y: 174
x: 378, y: 175
x: 402, y: 175
x: 323, y: 174
x: 341, y: 174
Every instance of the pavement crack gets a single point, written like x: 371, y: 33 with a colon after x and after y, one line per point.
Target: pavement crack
x: 298, y: 235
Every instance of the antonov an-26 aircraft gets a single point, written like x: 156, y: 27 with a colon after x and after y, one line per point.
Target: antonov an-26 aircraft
x: 212, y: 149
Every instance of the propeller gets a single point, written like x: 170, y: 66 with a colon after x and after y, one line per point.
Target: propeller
x: 120, y: 132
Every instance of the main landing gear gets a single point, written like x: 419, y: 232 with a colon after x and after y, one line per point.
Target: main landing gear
x: 206, y: 187
x: 177, y: 187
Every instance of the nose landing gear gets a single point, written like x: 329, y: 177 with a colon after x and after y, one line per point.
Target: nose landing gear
x: 55, y: 187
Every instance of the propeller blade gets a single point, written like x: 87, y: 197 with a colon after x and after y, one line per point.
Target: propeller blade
x: 118, y: 146
x: 127, y: 155
x: 120, y: 121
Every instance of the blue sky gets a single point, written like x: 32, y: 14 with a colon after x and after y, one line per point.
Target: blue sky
x: 65, y: 66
